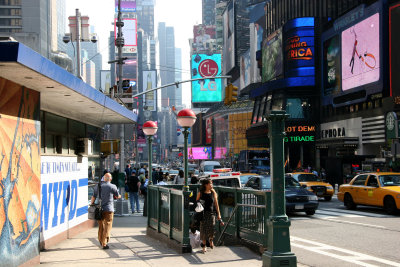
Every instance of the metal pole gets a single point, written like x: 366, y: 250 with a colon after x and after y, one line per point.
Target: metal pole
x: 278, y: 223
x: 186, y: 247
x: 185, y: 153
x: 78, y: 43
x: 120, y: 63
x: 150, y: 139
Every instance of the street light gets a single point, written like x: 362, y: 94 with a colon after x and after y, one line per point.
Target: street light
x: 150, y: 129
x: 186, y: 118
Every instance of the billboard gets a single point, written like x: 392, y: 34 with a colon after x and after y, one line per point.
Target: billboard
x: 105, y: 81
x: 394, y: 43
x: 203, y: 35
x: 245, y: 69
x: 141, y: 138
x: 272, y: 56
x: 229, y: 38
x: 332, y: 66
x: 360, y: 53
x: 208, y: 90
x: 149, y: 82
x: 220, y: 153
x: 256, y: 34
x: 129, y: 32
x: 126, y: 5
x: 208, y: 130
x: 200, y: 152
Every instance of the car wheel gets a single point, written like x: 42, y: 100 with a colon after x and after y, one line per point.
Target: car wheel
x: 329, y: 198
x: 310, y: 212
x: 348, y: 202
x: 390, y: 205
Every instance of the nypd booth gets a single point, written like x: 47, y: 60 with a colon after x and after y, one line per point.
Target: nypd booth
x: 50, y: 133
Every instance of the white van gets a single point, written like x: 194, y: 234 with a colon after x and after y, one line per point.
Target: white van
x: 224, y: 177
x: 207, y: 167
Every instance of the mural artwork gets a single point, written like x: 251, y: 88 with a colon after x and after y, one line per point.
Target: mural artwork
x: 19, y: 174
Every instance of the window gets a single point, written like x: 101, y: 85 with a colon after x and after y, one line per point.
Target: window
x: 360, y: 180
x: 255, y: 111
x: 277, y: 104
x: 372, y: 181
x: 297, y: 108
x: 261, y: 111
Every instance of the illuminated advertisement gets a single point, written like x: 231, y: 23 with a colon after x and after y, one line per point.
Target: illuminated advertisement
x: 200, y: 152
x: 149, y: 82
x: 220, y: 153
x: 105, y: 80
x: 126, y: 5
x: 128, y: 31
x: 360, y: 53
x: 299, y: 133
x: 208, y: 90
x: 272, y: 57
x: 332, y: 65
x: 141, y: 138
x: 208, y: 130
x: 245, y: 69
x: 299, y: 42
x: 203, y: 35
x: 229, y: 38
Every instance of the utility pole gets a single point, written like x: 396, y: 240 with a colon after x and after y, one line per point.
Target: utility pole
x: 78, y: 43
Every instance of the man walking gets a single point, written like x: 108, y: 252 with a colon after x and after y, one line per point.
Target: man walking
x: 107, y: 194
x: 134, y: 186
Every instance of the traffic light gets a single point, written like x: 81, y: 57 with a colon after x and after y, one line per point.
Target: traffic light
x: 230, y: 94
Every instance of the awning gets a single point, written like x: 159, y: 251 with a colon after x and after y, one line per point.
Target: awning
x: 61, y: 92
x: 350, y: 142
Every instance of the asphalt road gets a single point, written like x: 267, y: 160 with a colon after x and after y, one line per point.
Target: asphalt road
x: 335, y: 236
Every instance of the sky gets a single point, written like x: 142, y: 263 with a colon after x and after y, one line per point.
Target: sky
x: 180, y: 14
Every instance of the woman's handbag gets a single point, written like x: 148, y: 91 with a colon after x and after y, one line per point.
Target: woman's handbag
x: 199, y: 215
x: 95, y: 212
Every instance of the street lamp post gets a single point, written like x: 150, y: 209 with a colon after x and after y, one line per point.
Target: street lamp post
x: 278, y: 252
x: 150, y: 129
x: 186, y: 118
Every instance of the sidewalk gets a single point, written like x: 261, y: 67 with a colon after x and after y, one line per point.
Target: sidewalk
x: 130, y: 245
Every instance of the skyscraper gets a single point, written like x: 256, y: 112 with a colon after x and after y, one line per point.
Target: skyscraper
x: 178, y: 76
x: 208, y: 12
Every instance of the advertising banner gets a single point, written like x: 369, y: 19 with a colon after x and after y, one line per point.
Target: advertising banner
x: 105, y: 80
x: 332, y: 66
x: 149, y: 82
x: 129, y: 32
x: 272, y: 57
x: 208, y: 90
x: 203, y: 35
x: 126, y: 5
x: 64, y: 194
x: 141, y: 138
x: 200, y: 152
x: 394, y: 44
x: 245, y: 69
x: 220, y: 153
x: 208, y: 130
x: 256, y: 35
x: 360, y: 53
x: 229, y: 38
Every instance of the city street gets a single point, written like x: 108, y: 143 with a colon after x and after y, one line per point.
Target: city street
x: 335, y: 236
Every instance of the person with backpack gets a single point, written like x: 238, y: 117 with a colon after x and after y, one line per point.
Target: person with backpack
x: 134, y: 188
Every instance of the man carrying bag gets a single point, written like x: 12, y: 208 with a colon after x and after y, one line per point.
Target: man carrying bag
x: 106, y: 193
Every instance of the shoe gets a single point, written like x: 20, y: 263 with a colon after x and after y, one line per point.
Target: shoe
x: 106, y: 247
x: 211, y: 244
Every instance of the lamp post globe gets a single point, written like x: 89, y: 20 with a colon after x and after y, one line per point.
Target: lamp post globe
x: 150, y: 129
x: 186, y: 118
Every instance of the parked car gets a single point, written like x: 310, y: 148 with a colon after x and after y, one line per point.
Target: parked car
x: 314, y: 184
x: 297, y: 198
x: 244, y: 177
x: 380, y: 189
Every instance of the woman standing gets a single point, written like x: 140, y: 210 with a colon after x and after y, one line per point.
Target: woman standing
x: 209, y: 199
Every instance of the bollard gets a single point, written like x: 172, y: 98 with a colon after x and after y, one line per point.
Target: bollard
x: 278, y: 253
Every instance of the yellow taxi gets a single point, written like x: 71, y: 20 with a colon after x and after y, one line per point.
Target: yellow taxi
x: 313, y: 183
x: 381, y: 189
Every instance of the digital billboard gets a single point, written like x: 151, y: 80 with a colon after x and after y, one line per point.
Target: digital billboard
x: 208, y: 130
x: 245, y: 69
x: 229, y: 37
x: 394, y: 43
x: 208, y: 90
x: 220, y: 153
x: 200, y: 152
x: 129, y: 31
x: 360, y: 53
x: 331, y: 54
x: 256, y: 34
x: 126, y: 5
x: 272, y: 57
x: 149, y: 82
x: 105, y: 80
x: 203, y: 35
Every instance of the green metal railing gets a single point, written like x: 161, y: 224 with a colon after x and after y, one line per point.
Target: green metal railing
x: 167, y: 211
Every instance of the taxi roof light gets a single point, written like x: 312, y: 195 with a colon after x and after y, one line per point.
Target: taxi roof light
x: 235, y: 173
x: 214, y: 175
x: 222, y: 170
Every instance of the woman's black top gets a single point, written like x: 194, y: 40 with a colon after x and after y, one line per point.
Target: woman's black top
x: 208, y: 199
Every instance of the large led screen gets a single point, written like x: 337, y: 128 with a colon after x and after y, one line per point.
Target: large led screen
x: 332, y: 79
x: 220, y: 153
x: 272, y: 57
x: 126, y: 5
x: 208, y: 90
x: 229, y: 38
x: 128, y: 31
x: 245, y: 69
x: 200, y: 152
x: 360, y: 53
x: 150, y: 82
x: 394, y: 39
x: 203, y: 35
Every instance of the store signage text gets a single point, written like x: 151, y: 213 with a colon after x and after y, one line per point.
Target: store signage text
x: 300, y: 133
x: 307, y: 138
x: 298, y: 49
x: 333, y: 133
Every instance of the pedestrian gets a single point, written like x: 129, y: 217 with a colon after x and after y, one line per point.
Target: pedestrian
x: 128, y: 171
x: 107, y: 194
x: 134, y: 187
x: 180, y: 178
x: 193, y: 178
x: 154, y: 175
x: 209, y: 199
x: 143, y: 191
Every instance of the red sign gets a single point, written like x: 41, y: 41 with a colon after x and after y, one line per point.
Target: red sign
x: 208, y: 68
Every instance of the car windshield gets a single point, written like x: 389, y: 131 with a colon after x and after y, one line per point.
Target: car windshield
x: 307, y: 178
x: 266, y: 182
x: 210, y: 168
x: 259, y: 162
x: 244, y: 178
x: 289, y: 182
x: 390, y: 180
